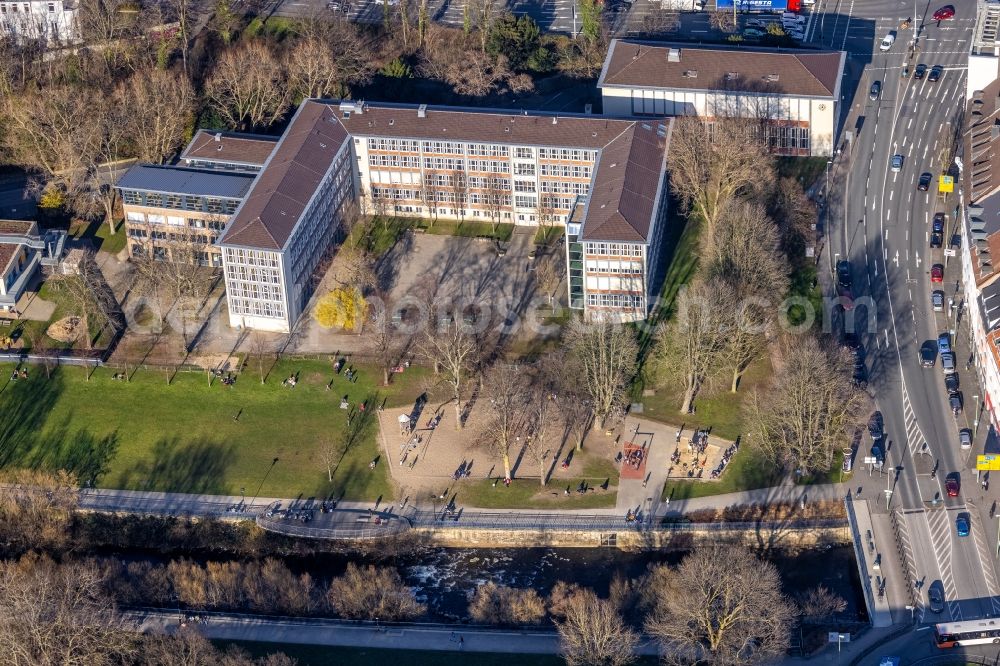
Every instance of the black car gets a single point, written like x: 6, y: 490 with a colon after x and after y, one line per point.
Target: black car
x: 924, y: 182
x: 860, y: 374
x: 876, y: 427
x: 955, y: 402
x: 937, y: 224
x: 851, y: 341
x: 928, y: 354
x: 935, y: 597
x: 935, y: 74
x: 919, y: 72
x: 936, y: 240
x: 951, y: 382
x: 844, y: 274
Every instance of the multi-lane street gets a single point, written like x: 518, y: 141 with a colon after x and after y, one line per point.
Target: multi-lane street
x: 880, y: 221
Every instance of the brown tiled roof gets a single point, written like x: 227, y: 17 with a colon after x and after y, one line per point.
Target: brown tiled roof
x: 231, y: 147
x: 487, y: 126
x: 7, y: 251
x: 982, y: 181
x: 629, y: 174
x: 642, y: 64
x: 19, y: 227
x: 290, y: 176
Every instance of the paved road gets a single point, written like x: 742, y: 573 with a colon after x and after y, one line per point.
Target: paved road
x: 15, y: 202
x: 879, y: 221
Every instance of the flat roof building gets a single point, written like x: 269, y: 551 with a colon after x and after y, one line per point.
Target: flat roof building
x: 228, y: 151
x: 796, y: 91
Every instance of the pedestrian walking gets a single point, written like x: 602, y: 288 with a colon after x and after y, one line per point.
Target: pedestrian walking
x: 461, y: 642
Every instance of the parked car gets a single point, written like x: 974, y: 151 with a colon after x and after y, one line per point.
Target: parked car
x: 944, y: 343
x: 965, y: 438
x: 920, y: 70
x: 962, y: 525
x: 925, y: 182
x: 937, y: 300
x: 937, y: 273
x: 752, y: 33
x: 928, y: 354
x: 951, y: 382
x: 875, y: 90
x: 887, y: 41
x: 948, y: 362
x: 951, y: 485
x: 955, y: 402
x: 876, y: 426
x: 935, y: 74
x: 945, y: 13
x: 936, y: 240
x: 897, y: 163
x: 937, y: 224
x: 845, y: 284
x: 935, y: 597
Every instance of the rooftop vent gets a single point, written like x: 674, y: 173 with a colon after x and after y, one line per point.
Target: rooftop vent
x: 392, y: 121
x: 732, y: 76
x: 673, y: 55
x: 219, y: 147
x: 422, y: 111
x: 771, y: 78
x: 218, y: 136
x: 555, y: 121
x: 690, y: 73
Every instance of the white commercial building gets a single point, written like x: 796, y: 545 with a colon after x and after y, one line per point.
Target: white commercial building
x: 796, y: 92
x: 51, y: 21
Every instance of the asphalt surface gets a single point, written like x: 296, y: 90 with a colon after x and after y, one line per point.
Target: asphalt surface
x: 878, y: 220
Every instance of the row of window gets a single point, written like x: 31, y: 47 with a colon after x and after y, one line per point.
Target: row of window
x: 180, y: 201
x: 394, y: 145
x: 200, y: 239
x: 243, y: 306
x: 614, y: 249
x: 12, y: 7
x: 563, y: 171
x: 489, y: 166
x: 444, y: 164
x: 259, y: 291
x: 492, y: 183
x: 258, y: 275
x: 559, y: 187
x: 567, y: 154
x: 251, y: 257
x: 621, y: 301
x: 396, y: 161
x: 605, y: 266
x: 173, y: 220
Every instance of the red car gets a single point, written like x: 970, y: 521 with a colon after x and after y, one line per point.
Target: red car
x: 944, y: 13
x: 951, y: 487
x: 937, y: 273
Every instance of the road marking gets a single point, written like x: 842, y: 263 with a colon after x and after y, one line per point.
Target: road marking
x: 985, y: 562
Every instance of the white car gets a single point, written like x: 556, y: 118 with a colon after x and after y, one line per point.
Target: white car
x: 887, y: 42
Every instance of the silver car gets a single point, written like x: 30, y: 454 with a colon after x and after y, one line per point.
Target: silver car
x: 937, y: 300
x: 897, y: 163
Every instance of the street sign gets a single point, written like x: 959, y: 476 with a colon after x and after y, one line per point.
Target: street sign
x: 946, y: 184
x: 870, y: 460
x: 949, y: 252
x: 837, y: 637
x: 988, y: 462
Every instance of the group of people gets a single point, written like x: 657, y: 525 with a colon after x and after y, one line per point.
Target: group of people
x: 633, y: 457
x: 290, y: 382
x: 18, y: 374
x: 727, y: 455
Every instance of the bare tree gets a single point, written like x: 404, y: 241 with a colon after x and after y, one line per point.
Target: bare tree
x: 452, y: 350
x: 41, y: 348
x: 494, y: 197
x: 182, y: 12
x: 818, y: 604
x: 160, y: 105
x: 260, y: 353
x: 795, y: 214
x: 723, y: 21
x: 331, y: 452
x: 541, y: 414
x: 369, y: 593
x: 499, y: 604
x: 36, y: 510
x: 693, y: 343
x: 606, y: 352
x: 460, y: 191
x: 247, y: 86
x: 89, y: 297
x: 661, y: 21
x: 506, y: 422
x: 477, y: 74
x: 810, y: 409
x: 713, y: 162
x: 720, y: 605
x: 312, y: 70
x: 383, y: 335
x: 548, y: 274
x: 485, y: 13
x: 592, y: 632
x: 59, y: 614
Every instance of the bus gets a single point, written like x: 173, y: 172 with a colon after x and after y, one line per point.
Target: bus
x: 970, y: 632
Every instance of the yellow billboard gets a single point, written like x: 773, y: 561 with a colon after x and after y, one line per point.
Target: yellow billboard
x: 988, y: 463
x: 946, y: 184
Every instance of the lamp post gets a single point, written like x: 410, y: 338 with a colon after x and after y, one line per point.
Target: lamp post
x: 911, y: 609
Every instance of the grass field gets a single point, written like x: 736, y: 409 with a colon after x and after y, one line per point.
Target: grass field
x: 467, y: 229
x: 145, y: 434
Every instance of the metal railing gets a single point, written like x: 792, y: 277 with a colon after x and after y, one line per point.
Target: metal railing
x: 370, y: 530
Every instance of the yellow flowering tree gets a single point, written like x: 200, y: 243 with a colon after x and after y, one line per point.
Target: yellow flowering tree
x: 344, y: 307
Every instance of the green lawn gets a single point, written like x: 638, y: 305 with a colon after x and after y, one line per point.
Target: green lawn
x: 30, y: 330
x: 548, y: 235
x: 525, y: 494
x: 377, y: 235
x: 183, y: 437
x: 99, y: 234
x: 806, y: 170
x: 467, y: 229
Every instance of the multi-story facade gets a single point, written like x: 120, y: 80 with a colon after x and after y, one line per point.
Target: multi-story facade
x: 795, y: 93
x: 22, y: 251
x: 287, y: 222
x: 456, y: 163
x: 50, y: 21
x: 177, y: 213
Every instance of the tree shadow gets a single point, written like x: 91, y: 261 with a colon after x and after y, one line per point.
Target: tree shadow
x: 198, y: 466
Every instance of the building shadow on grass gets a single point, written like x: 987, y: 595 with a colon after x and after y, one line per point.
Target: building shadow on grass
x: 197, y: 467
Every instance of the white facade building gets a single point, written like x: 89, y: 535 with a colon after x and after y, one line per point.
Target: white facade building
x: 796, y: 91
x: 52, y: 21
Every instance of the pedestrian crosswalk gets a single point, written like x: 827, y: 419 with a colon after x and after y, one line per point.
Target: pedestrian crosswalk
x: 940, y: 529
x: 915, y: 440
